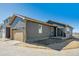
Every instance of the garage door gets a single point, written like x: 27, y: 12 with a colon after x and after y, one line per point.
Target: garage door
x: 18, y: 35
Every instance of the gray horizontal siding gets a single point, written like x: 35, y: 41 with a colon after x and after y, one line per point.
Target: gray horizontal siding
x: 33, y: 32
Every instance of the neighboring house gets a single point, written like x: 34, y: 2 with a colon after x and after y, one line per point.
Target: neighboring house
x: 6, y: 27
x: 62, y: 30
x: 29, y: 30
x: 1, y: 32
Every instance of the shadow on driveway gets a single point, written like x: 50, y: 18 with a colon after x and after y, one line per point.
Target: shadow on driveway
x: 56, y: 44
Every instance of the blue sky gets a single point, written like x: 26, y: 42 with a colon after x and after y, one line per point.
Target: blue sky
x: 65, y: 13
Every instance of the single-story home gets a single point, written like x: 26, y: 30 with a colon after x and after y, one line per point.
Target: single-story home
x: 26, y: 29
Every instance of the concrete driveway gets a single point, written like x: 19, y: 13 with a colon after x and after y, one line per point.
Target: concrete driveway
x: 13, y: 48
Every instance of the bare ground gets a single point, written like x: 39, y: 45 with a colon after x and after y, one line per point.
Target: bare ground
x: 16, y: 48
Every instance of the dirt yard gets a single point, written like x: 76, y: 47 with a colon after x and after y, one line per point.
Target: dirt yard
x: 16, y: 48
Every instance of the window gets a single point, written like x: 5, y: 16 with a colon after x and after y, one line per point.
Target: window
x: 40, y: 29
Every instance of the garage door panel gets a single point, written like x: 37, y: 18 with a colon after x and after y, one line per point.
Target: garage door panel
x: 18, y: 35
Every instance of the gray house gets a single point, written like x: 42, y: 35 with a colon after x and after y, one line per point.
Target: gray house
x: 26, y: 29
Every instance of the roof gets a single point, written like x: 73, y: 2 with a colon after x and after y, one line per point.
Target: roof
x: 29, y: 19
x: 48, y: 23
x: 58, y: 23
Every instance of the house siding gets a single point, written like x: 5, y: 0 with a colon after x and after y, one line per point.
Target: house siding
x: 33, y: 32
x: 18, y: 25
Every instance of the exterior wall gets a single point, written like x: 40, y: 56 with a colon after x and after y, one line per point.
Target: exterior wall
x: 68, y: 31
x: 3, y: 33
x: 18, y: 24
x: 37, y: 32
